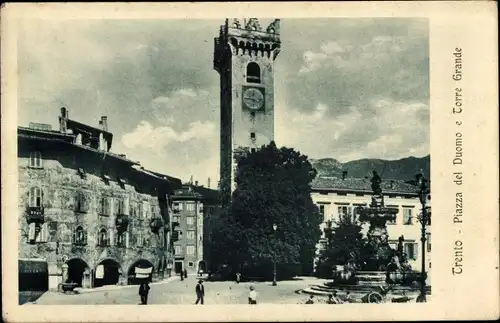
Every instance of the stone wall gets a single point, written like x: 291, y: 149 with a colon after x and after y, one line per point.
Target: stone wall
x: 60, y: 182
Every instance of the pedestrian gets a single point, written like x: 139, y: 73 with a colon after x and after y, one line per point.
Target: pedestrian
x: 348, y: 297
x: 185, y: 273
x: 252, y: 296
x: 238, y: 278
x: 200, y: 273
x: 310, y: 300
x: 182, y: 275
x: 143, y: 292
x: 335, y: 298
x: 200, y: 292
x: 330, y: 299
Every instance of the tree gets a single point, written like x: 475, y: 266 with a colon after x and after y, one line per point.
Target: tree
x: 273, y: 187
x: 344, y: 245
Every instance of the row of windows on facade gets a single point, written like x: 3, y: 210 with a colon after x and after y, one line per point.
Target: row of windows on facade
x: 35, y: 161
x: 187, y: 206
x: 190, y: 250
x: 409, y: 248
x: 104, y: 238
x: 82, y: 202
x: 190, y: 220
x: 408, y: 214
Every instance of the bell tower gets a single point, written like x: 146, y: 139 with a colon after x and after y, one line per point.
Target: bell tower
x: 244, y: 55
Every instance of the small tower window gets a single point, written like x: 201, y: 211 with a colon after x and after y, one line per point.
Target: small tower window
x: 253, y: 73
x: 252, y: 135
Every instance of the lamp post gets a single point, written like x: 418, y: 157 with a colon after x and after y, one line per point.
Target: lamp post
x: 275, y: 226
x: 423, y: 190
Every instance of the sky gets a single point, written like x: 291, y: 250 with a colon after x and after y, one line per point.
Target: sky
x: 346, y: 88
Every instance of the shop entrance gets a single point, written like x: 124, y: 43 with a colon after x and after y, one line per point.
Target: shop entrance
x: 78, y: 272
x: 142, y: 264
x: 107, y: 272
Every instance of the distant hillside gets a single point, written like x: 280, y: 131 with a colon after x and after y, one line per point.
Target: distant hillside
x: 402, y: 169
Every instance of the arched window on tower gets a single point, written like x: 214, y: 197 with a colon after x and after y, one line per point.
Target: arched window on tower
x: 253, y: 73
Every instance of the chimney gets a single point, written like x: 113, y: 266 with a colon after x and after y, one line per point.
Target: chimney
x: 208, y: 183
x: 195, y: 183
x: 344, y: 174
x: 63, y: 120
x: 104, y: 123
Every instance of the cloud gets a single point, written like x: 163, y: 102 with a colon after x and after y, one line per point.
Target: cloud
x: 383, y: 129
x: 350, y: 88
x: 386, y: 61
x: 156, y: 139
x: 181, y: 139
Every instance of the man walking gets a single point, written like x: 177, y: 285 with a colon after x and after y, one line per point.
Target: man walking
x: 238, y: 278
x: 252, y: 296
x: 185, y: 273
x: 200, y: 292
x: 143, y: 292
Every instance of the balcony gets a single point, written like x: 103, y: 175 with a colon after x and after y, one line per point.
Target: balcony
x: 35, y: 214
x: 122, y: 222
x: 155, y: 224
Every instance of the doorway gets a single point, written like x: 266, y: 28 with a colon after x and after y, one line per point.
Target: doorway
x: 78, y: 271
x: 178, y: 267
x: 143, y: 264
x: 107, y: 273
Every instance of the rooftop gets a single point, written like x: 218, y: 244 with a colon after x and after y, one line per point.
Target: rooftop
x: 361, y: 185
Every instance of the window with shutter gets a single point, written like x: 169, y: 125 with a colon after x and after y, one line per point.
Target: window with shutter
x: 126, y: 205
x: 35, y: 159
x: 43, y: 234
x: 79, y: 236
x: 105, y: 206
x: 103, y: 238
x: 139, y: 241
x: 31, y: 232
x: 36, y: 197
x: 410, y: 250
x: 407, y: 216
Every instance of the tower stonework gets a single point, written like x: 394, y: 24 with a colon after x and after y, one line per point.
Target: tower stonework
x: 244, y: 55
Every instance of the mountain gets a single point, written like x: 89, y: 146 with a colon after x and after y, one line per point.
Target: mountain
x: 401, y: 169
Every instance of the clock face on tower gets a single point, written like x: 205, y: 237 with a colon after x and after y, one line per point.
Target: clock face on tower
x: 253, y: 98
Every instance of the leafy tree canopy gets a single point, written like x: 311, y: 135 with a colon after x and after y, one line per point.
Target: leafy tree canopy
x: 273, y: 187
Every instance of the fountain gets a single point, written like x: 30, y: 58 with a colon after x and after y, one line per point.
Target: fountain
x: 368, y: 281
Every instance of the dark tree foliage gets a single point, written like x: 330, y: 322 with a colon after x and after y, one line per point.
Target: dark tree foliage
x: 344, y: 244
x: 273, y: 187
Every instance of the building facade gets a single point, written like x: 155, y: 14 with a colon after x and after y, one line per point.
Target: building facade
x: 244, y: 57
x: 93, y: 215
x: 192, y: 208
x: 338, y: 196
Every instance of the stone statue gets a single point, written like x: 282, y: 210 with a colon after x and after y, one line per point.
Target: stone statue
x: 236, y: 23
x: 274, y: 27
x: 376, y: 183
x: 253, y: 24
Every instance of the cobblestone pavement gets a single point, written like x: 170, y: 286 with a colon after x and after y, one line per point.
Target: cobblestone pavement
x: 183, y: 292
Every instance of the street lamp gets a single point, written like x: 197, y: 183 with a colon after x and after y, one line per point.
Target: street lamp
x: 275, y: 226
x: 423, y: 192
